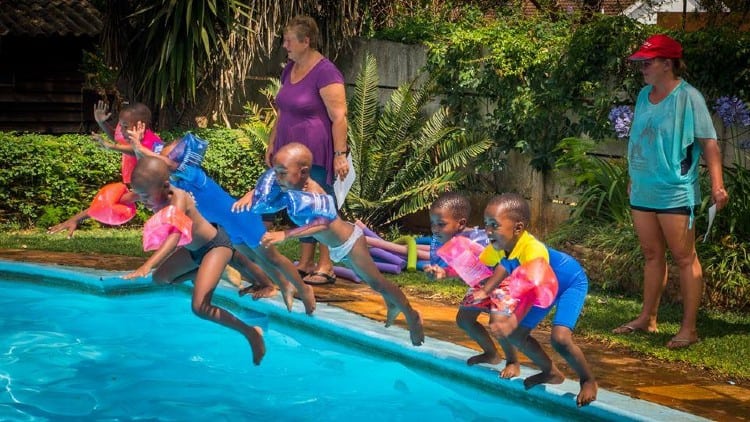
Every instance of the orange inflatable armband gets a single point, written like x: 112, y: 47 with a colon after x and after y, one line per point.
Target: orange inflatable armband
x: 106, y: 207
x: 165, y: 222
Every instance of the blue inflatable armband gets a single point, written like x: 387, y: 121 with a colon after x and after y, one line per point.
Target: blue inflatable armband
x: 268, y: 197
x: 303, y: 207
x: 189, y: 151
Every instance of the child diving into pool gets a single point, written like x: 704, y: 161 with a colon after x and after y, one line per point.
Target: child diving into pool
x: 134, y: 121
x: 506, y: 219
x: 205, y: 252
x: 244, y: 229
x: 292, y: 165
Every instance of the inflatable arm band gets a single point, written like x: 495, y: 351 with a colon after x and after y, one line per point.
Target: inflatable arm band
x: 162, y: 224
x: 106, y: 207
x: 189, y: 151
x: 462, y: 254
x: 536, y: 278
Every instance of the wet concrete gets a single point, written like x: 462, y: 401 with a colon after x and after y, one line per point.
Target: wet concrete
x: 675, y: 385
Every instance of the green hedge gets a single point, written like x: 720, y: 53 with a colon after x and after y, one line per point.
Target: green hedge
x: 44, y: 178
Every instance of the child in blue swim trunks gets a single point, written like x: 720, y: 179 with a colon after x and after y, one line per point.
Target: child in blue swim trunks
x: 292, y: 164
x: 511, y: 321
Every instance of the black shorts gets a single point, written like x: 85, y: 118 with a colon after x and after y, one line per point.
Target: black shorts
x: 220, y: 240
x: 686, y: 210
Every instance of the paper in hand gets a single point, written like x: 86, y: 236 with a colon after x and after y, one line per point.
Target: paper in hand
x: 711, y: 216
x: 341, y: 187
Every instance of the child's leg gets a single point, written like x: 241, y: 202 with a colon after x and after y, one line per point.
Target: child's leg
x: 178, y: 268
x: 361, y: 262
x: 205, y: 283
x: 262, y: 285
x: 531, y: 348
x: 287, y: 290
x: 562, y: 341
x: 272, y: 255
x: 466, y: 319
x: 512, y: 364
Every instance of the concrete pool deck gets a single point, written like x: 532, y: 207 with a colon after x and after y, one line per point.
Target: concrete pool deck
x: 618, y: 372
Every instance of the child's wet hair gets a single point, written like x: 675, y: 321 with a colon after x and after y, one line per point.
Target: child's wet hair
x: 458, y: 205
x: 514, y: 205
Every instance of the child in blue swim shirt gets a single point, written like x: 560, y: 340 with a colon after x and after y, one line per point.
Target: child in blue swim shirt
x: 511, y: 321
x: 245, y: 229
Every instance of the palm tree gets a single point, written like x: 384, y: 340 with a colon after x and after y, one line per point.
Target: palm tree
x: 404, y: 159
x: 171, y: 51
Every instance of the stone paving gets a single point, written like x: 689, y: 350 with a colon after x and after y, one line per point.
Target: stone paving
x: 617, y: 369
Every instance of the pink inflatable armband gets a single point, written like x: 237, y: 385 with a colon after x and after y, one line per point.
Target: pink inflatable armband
x: 268, y: 197
x: 165, y: 222
x: 536, y: 278
x: 106, y: 207
x: 461, y: 254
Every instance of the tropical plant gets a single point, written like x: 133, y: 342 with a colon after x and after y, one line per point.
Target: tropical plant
x: 601, y: 182
x: 261, y: 119
x: 176, y: 48
x: 403, y: 157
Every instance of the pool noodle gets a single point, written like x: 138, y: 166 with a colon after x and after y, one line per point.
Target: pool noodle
x: 344, y: 272
x: 384, y: 256
x: 422, y: 263
x: 394, y: 247
x: 385, y: 267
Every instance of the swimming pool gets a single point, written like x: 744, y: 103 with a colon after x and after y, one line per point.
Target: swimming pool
x: 135, y: 352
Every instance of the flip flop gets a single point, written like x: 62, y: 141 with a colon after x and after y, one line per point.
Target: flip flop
x: 302, y: 273
x: 680, y: 343
x: 630, y: 329
x: 327, y: 278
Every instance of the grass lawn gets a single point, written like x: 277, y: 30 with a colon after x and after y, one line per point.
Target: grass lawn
x: 724, y: 348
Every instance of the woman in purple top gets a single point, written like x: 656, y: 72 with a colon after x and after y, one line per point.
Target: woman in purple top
x: 311, y: 106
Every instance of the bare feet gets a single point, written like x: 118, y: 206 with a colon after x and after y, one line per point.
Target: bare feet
x: 552, y: 377
x: 287, y: 293
x: 257, y: 292
x: 254, y: 336
x: 308, y: 299
x: 392, y: 314
x: 416, y: 330
x: 587, y: 393
x: 511, y: 370
x: 491, y: 358
x: 636, y: 325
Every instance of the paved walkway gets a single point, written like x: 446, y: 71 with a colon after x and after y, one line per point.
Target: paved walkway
x: 617, y: 369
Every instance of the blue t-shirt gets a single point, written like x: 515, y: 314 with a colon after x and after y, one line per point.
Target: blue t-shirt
x: 663, y: 153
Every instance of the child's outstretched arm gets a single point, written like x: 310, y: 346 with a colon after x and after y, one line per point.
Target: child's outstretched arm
x: 244, y: 203
x: 157, y: 258
x: 317, y: 225
x: 71, y: 224
x: 101, y: 115
x: 164, y: 251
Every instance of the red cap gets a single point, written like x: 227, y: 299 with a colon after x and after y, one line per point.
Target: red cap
x: 658, y: 45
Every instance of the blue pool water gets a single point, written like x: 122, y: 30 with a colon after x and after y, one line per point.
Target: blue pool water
x: 68, y: 355
x: 79, y: 344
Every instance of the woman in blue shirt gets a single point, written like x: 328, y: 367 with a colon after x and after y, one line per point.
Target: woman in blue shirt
x: 671, y: 128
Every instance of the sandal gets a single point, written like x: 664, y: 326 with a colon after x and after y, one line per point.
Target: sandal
x: 326, y: 278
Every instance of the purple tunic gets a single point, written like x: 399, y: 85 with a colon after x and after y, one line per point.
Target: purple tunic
x: 304, y: 117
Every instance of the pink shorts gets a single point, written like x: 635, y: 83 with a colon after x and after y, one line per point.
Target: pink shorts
x: 499, y: 302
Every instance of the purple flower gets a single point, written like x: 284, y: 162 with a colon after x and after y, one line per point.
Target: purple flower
x: 621, y: 117
x: 733, y: 111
